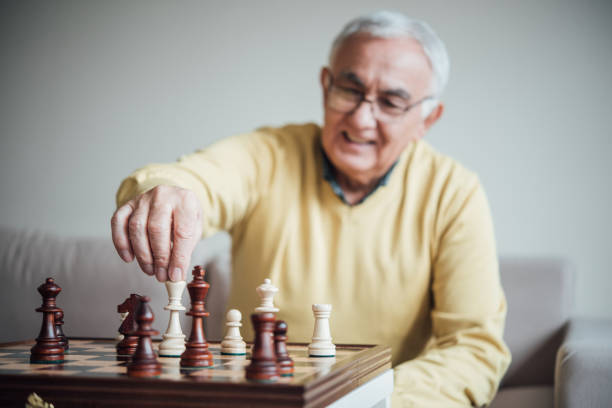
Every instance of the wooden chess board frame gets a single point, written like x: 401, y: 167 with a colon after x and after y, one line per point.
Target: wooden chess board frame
x: 92, y: 377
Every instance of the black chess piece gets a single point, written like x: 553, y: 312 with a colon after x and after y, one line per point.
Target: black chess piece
x: 144, y: 361
x: 196, y: 352
x: 48, y: 347
x: 285, y: 363
x: 127, y: 346
x: 263, y: 365
x: 59, y: 331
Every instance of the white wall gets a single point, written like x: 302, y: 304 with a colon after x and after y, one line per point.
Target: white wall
x: 92, y: 90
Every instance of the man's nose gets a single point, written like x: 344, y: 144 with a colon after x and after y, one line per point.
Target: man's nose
x: 363, y: 115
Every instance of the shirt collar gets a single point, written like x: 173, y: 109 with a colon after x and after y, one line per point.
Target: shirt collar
x: 328, y: 175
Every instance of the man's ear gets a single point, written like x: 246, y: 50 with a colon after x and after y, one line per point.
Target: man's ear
x: 434, y: 116
x: 324, y: 79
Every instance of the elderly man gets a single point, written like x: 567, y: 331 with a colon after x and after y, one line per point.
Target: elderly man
x: 359, y: 213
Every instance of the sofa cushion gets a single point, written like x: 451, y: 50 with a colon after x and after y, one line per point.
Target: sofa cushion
x: 524, y: 397
x: 583, y: 372
x: 539, y: 294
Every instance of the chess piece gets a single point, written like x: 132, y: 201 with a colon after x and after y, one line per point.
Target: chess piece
x: 122, y: 317
x: 266, y: 292
x: 285, y: 363
x: 321, y: 345
x: 127, y: 346
x: 144, y: 362
x: 48, y: 347
x: 263, y: 365
x: 173, y: 344
x: 232, y: 343
x: 59, y: 322
x: 34, y: 401
x: 196, y: 353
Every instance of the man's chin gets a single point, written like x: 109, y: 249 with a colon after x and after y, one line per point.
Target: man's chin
x: 357, y: 171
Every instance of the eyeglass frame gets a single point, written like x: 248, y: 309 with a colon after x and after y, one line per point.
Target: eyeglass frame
x: 374, y: 103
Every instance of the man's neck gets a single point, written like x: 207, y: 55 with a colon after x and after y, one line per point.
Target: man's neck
x: 354, y: 191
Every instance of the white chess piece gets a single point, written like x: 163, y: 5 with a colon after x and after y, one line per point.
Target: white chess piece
x: 173, y: 343
x: 321, y: 345
x: 122, y: 316
x: 266, y: 292
x: 232, y: 343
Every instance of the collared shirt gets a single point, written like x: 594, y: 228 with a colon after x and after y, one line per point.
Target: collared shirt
x: 328, y: 175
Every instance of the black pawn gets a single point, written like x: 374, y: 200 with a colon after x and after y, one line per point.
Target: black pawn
x: 285, y: 363
x: 59, y: 332
x: 48, y: 348
x: 144, y: 362
x: 263, y: 365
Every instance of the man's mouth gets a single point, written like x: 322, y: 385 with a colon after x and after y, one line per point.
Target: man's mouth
x: 352, y: 139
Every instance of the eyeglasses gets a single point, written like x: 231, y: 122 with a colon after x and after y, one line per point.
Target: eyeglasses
x: 385, y: 108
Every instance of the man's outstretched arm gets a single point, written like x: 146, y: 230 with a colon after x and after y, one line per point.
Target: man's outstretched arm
x: 163, y: 210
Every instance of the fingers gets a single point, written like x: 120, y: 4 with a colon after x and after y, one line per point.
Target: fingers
x: 160, y: 229
x: 186, y: 231
x: 160, y: 220
x: 139, y: 238
x: 119, y: 231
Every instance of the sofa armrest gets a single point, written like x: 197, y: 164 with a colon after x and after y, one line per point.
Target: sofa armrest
x: 583, y: 371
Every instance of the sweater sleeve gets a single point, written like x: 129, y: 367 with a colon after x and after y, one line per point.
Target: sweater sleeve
x: 466, y: 357
x: 228, y: 178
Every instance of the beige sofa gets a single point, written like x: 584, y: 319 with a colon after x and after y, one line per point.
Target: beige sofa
x: 556, y: 360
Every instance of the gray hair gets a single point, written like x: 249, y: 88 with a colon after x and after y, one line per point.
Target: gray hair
x: 390, y: 24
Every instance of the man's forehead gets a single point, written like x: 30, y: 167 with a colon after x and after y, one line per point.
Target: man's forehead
x: 393, y: 45
x: 394, y: 60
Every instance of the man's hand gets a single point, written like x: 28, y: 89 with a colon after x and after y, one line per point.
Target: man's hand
x: 161, y: 228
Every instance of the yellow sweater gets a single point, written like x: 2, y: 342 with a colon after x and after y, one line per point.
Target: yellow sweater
x: 414, y: 266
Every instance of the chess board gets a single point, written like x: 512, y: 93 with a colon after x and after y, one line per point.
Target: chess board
x: 92, y: 376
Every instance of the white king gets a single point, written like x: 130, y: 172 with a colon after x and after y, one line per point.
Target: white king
x: 173, y: 344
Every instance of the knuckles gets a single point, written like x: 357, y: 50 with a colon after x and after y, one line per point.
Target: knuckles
x: 188, y: 200
x: 152, y: 214
x: 114, y: 221
x: 160, y: 260
x: 180, y: 259
x: 120, y: 215
x: 184, y: 231
x: 135, y: 225
x: 160, y: 191
x: 166, y: 198
x: 158, y: 228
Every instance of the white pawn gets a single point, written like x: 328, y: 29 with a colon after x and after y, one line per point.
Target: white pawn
x: 232, y: 343
x: 266, y: 292
x: 321, y: 345
x: 173, y: 343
